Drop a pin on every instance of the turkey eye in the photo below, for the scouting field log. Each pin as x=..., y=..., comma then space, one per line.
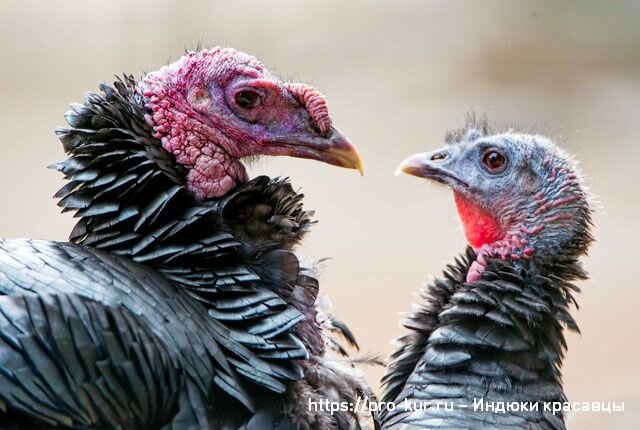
x=494, y=161
x=247, y=99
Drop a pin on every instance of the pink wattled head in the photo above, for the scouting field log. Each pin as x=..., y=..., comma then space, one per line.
x=518, y=195
x=214, y=107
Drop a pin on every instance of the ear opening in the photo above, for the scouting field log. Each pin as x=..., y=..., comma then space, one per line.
x=199, y=99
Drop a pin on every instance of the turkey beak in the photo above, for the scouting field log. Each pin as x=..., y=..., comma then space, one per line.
x=339, y=151
x=432, y=165
x=332, y=148
x=413, y=166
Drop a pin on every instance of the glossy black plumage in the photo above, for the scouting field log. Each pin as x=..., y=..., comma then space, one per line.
x=499, y=339
x=204, y=317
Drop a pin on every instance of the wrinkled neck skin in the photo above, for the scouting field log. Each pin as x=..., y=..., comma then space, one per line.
x=203, y=149
x=554, y=220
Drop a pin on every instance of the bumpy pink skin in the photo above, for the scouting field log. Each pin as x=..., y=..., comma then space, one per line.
x=513, y=246
x=204, y=138
x=212, y=171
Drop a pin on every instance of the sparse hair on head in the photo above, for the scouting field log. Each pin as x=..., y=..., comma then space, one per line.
x=476, y=125
x=200, y=45
x=473, y=121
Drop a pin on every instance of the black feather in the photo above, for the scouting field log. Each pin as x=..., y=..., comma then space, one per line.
x=164, y=312
x=499, y=338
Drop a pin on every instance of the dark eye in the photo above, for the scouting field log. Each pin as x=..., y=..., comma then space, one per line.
x=494, y=161
x=247, y=99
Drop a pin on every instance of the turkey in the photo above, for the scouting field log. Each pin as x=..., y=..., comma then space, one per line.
x=179, y=302
x=491, y=330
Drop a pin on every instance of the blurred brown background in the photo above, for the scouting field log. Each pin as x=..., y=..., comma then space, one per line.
x=397, y=74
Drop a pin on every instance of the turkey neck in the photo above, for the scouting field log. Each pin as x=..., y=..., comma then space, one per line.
x=499, y=338
x=132, y=200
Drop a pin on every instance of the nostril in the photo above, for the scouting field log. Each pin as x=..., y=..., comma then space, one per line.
x=438, y=157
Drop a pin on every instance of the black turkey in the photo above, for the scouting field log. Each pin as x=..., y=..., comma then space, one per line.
x=491, y=331
x=179, y=302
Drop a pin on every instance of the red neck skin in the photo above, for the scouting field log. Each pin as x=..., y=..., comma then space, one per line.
x=480, y=228
x=537, y=224
x=488, y=237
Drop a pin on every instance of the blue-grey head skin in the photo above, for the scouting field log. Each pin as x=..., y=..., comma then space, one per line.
x=517, y=194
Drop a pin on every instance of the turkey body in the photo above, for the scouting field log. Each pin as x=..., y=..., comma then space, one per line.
x=485, y=348
x=90, y=338
x=473, y=346
x=162, y=312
